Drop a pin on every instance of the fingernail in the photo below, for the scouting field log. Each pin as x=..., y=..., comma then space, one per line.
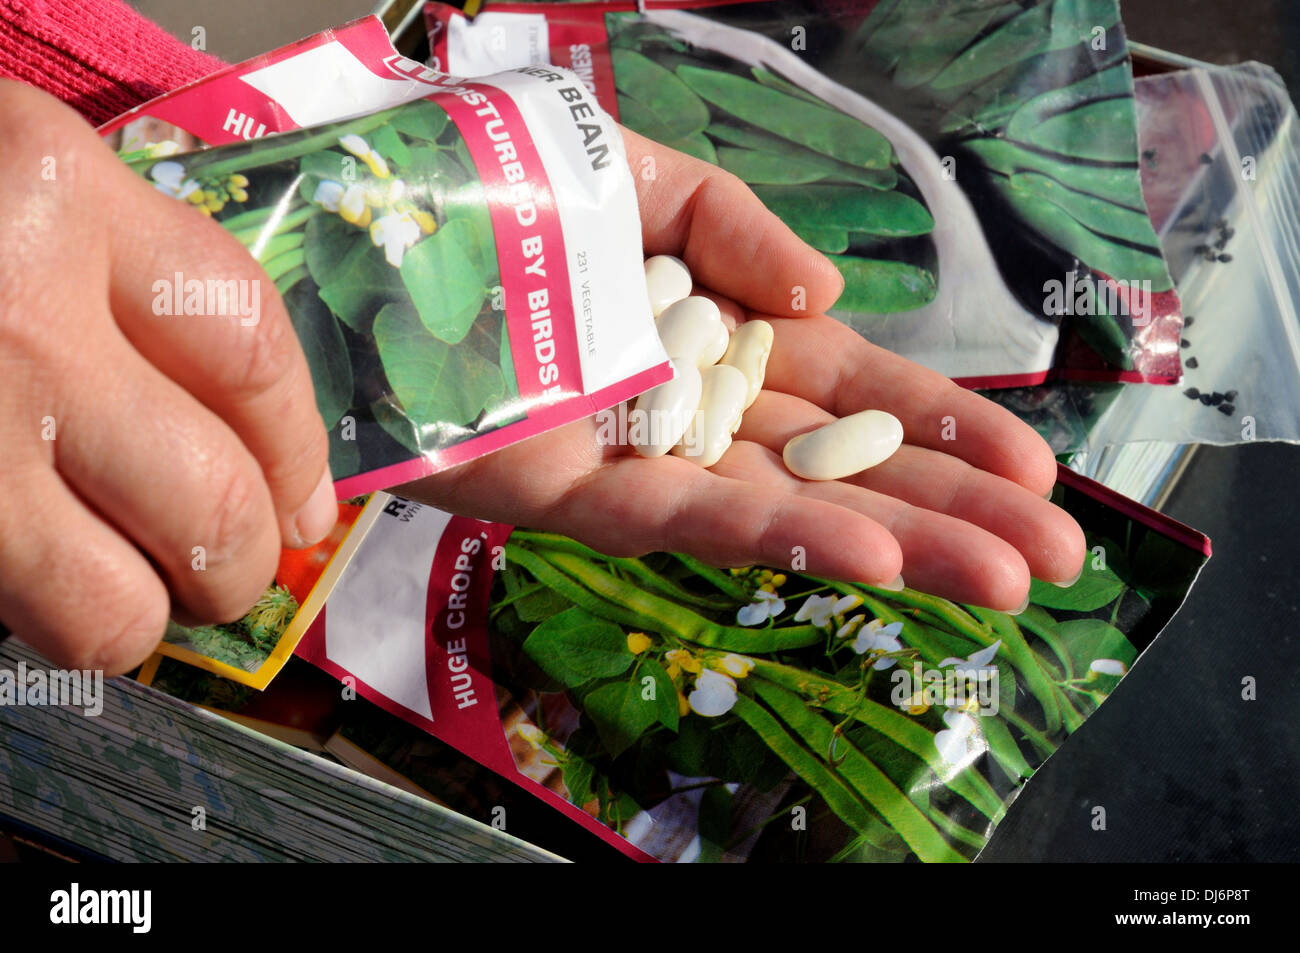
x=319, y=513
x=1077, y=576
x=895, y=586
x=1023, y=606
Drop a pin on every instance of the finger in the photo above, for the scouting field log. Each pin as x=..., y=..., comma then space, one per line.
x=942, y=555
x=240, y=358
x=173, y=478
x=827, y=363
x=667, y=504
x=726, y=236
x=1050, y=541
x=75, y=590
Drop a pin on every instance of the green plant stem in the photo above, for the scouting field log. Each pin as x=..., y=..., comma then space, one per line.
x=720, y=580
x=284, y=263
x=250, y=235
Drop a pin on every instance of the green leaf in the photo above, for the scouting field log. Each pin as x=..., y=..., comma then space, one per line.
x=445, y=284
x=714, y=824
x=667, y=105
x=620, y=714
x=468, y=204
x=435, y=383
x=1090, y=639
x=326, y=352
x=665, y=692
x=395, y=423
x=578, y=773
x=421, y=119
x=345, y=456
x=575, y=646
x=1095, y=588
x=389, y=144
x=361, y=284
x=821, y=129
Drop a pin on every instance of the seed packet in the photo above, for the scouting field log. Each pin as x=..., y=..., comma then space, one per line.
x=683, y=712
x=461, y=260
x=252, y=650
x=971, y=167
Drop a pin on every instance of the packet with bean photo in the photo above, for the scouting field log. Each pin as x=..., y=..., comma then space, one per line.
x=461, y=259
x=686, y=713
x=971, y=167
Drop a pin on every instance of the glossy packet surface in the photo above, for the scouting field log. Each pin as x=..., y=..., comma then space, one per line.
x=461, y=259
x=970, y=166
x=683, y=713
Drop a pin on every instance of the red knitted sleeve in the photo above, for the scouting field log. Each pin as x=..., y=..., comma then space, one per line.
x=98, y=56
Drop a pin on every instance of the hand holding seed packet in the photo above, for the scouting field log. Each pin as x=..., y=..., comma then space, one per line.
x=461, y=264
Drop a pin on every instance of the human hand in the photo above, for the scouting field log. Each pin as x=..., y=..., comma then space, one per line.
x=153, y=465
x=963, y=518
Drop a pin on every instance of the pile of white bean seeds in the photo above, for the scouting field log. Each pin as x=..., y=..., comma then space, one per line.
x=718, y=377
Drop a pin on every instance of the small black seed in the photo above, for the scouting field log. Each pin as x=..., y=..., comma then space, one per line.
x=1230, y=395
x=1184, y=343
x=1187, y=321
x=1192, y=392
x=1216, y=400
x=1201, y=249
x=1210, y=255
x=1191, y=362
x=1207, y=400
x=1228, y=233
x=1225, y=258
x=1221, y=243
x=1227, y=410
x=1205, y=159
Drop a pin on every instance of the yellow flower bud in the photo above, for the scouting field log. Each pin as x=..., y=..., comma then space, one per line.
x=638, y=642
x=683, y=706
x=238, y=194
x=916, y=705
x=779, y=579
x=426, y=221
x=683, y=659
x=197, y=197
x=239, y=181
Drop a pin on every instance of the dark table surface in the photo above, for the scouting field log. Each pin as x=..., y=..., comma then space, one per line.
x=1186, y=769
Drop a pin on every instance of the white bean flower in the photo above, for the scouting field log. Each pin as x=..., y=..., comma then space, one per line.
x=714, y=694
x=395, y=233
x=976, y=662
x=329, y=194
x=817, y=610
x=879, y=639
x=766, y=605
x=954, y=742
x=1108, y=666
x=169, y=177
x=361, y=149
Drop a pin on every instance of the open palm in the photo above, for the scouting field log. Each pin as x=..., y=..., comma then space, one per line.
x=958, y=511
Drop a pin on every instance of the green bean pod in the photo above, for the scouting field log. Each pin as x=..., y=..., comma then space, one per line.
x=758, y=140
x=870, y=783
x=833, y=789
x=1118, y=184
x=908, y=734
x=669, y=618
x=872, y=286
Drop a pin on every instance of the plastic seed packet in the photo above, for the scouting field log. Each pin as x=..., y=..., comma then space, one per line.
x=253, y=649
x=461, y=260
x=686, y=713
x=970, y=167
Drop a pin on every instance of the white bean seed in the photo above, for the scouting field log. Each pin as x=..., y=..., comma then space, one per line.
x=844, y=447
x=691, y=331
x=747, y=352
x=668, y=280
x=722, y=402
x=662, y=414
